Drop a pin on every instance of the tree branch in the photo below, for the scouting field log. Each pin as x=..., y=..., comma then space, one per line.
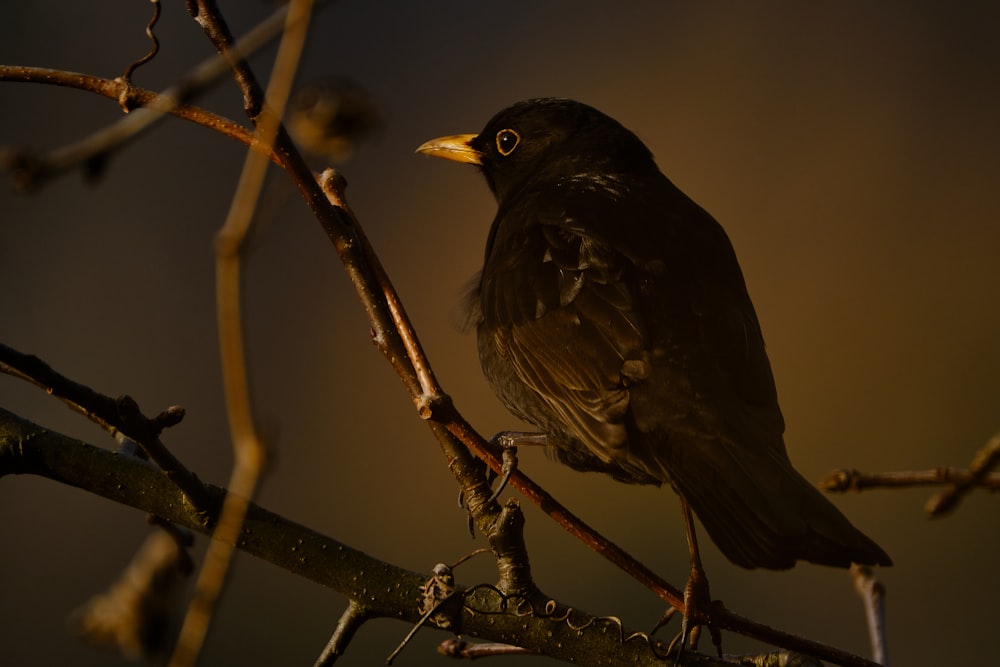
x=961, y=481
x=117, y=416
x=30, y=170
x=380, y=589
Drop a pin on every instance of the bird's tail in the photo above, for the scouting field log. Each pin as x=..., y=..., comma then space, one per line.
x=761, y=512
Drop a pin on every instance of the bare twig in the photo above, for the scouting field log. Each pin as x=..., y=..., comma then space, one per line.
x=985, y=460
x=119, y=416
x=133, y=615
x=962, y=481
x=459, y=648
x=872, y=593
x=31, y=170
x=430, y=392
x=248, y=449
x=777, y=659
x=206, y=14
x=352, y=619
x=855, y=480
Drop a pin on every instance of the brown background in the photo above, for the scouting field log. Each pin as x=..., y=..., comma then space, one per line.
x=850, y=150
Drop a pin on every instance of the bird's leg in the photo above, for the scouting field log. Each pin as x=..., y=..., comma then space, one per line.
x=697, y=598
x=508, y=442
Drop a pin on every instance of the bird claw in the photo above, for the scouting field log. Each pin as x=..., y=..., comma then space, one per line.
x=507, y=442
x=508, y=465
x=697, y=615
x=698, y=610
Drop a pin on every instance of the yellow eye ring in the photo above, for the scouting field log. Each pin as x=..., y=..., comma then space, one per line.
x=507, y=141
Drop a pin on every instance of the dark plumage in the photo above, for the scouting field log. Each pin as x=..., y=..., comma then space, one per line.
x=612, y=314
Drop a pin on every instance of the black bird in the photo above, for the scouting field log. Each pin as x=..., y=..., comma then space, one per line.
x=612, y=314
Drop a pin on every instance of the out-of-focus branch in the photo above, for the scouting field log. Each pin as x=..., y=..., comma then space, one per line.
x=985, y=460
x=247, y=447
x=31, y=170
x=872, y=593
x=962, y=481
x=854, y=480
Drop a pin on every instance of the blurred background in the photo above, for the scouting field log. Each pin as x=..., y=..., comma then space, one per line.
x=849, y=149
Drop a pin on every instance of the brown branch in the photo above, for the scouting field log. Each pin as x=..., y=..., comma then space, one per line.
x=116, y=415
x=840, y=481
x=31, y=170
x=962, y=481
x=459, y=648
x=350, y=621
x=872, y=593
x=382, y=590
x=206, y=14
x=985, y=460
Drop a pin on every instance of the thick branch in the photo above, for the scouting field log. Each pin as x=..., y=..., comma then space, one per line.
x=379, y=588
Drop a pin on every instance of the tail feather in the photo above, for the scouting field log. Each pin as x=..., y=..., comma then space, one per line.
x=761, y=512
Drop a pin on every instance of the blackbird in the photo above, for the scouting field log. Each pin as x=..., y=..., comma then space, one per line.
x=612, y=314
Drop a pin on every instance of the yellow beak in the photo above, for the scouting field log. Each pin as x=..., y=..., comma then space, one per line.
x=456, y=147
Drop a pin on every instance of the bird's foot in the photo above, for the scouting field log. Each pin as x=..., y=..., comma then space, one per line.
x=508, y=442
x=698, y=606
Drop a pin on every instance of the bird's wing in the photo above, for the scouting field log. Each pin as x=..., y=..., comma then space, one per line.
x=560, y=306
x=590, y=299
x=570, y=326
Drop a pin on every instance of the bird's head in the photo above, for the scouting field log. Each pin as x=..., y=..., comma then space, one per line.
x=544, y=138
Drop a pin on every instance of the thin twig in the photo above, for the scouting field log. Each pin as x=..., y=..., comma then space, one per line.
x=430, y=391
x=459, y=648
x=985, y=460
x=31, y=170
x=207, y=15
x=350, y=621
x=854, y=480
x=872, y=593
x=116, y=415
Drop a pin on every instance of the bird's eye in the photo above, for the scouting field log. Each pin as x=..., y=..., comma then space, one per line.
x=507, y=141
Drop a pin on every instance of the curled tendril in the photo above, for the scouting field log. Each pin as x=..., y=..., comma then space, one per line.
x=154, y=49
x=552, y=612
